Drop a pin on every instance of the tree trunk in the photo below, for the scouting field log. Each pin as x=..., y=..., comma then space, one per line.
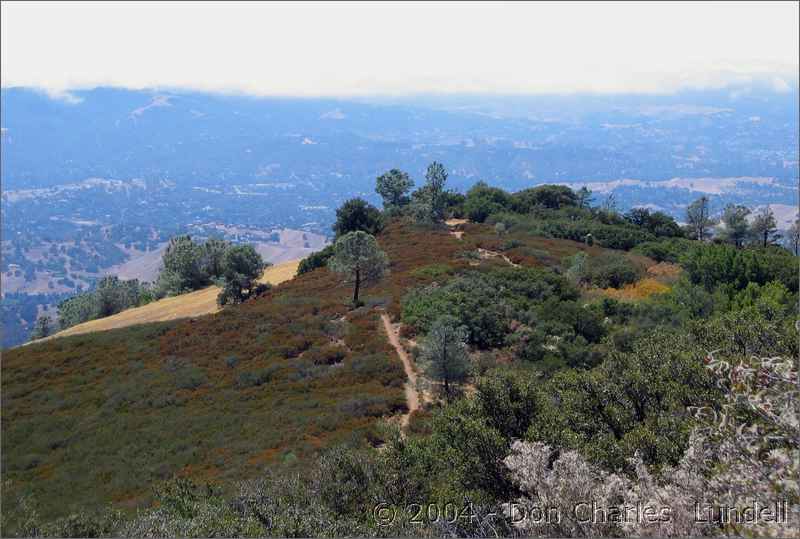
x=358, y=285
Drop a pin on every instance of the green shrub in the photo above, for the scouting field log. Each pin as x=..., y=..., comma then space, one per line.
x=315, y=260
x=256, y=378
x=189, y=377
x=326, y=355
x=710, y=265
x=612, y=270
x=668, y=250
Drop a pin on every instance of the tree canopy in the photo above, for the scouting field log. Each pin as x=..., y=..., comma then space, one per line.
x=241, y=266
x=357, y=214
x=698, y=216
x=735, y=227
x=356, y=255
x=393, y=187
x=444, y=352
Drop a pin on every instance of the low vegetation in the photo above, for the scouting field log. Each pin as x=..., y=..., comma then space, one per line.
x=542, y=382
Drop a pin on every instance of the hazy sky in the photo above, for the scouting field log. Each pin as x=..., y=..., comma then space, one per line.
x=357, y=49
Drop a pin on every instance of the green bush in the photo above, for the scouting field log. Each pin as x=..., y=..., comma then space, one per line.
x=315, y=260
x=486, y=303
x=575, y=224
x=668, y=250
x=633, y=402
x=612, y=270
x=710, y=265
x=482, y=201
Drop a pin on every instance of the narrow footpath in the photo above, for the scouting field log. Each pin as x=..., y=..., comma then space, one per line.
x=412, y=397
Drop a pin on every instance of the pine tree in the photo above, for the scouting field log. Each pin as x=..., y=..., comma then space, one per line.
x=357, y=256
x=764, y=227
x=698, y=217
x=444, y=352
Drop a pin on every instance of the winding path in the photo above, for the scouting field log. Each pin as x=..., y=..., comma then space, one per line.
x=412, y=397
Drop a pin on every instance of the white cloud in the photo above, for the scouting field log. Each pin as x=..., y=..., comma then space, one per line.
x=59, y=94
x=396, y=48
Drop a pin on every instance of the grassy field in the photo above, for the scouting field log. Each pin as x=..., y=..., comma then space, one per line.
x=188, y=305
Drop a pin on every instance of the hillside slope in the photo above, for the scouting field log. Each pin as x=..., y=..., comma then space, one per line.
x=101, y=417
x=189, y=305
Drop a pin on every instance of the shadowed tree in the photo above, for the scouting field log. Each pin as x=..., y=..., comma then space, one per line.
x=357, y=214
x=444, y=352
x=43, y=328
x=241, y=265
x=698, y=217
x=435, y=180
x=764, y=227
x=584, y=197
x=736, y=228
x=393, y=187
x=212, y=252
x=357, y=256
x=183, y=268
x=547, y=196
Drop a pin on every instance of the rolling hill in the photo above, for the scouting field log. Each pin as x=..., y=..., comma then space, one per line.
x=561, y=339
x=99, y=417
x=189, y=305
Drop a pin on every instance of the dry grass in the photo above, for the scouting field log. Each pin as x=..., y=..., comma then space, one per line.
x=190, y=305
x=665, y=271
x=636, y=291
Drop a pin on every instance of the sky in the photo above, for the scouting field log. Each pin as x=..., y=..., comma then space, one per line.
x=357, y=49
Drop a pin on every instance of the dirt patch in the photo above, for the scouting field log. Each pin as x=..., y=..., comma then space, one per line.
x=456, y=227
x=486, y=254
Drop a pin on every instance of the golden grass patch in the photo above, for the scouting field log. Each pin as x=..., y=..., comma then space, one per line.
x=639, y=290
x=197, y=303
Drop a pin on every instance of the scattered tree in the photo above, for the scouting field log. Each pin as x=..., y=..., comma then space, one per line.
x=183, y=268
x=764, y=227
x=584, y=197
x=698, y=217
x=241, y=266
x=431, y=200
x=658, y=223
x=76, y=310
x=357, y=214
x=212, y=252
x=736, y=228
x=444, y=352
x=610, y=203
x=358, y=257
x=482, y=201
x=553, y=197
x=315, y=260
x=43, y=327
x=394, y=187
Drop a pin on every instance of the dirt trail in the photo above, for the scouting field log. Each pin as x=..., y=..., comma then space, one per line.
x=412, y=397
x=485, y=253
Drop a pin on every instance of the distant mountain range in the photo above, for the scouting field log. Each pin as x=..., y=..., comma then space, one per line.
x=92, y=179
